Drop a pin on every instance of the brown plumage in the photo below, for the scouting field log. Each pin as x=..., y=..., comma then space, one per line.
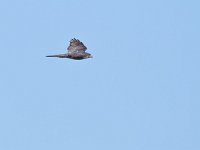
x=76, y=50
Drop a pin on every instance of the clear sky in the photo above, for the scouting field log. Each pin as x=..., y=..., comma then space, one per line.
x=141, y=91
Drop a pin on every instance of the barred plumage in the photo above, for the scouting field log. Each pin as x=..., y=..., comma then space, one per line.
x=76, y=50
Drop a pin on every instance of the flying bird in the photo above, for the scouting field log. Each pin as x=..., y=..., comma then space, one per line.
x=76, y=50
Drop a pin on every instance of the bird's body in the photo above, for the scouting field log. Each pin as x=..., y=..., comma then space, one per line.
x=76, y=50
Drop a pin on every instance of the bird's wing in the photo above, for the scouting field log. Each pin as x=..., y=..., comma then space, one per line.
x=76, y=46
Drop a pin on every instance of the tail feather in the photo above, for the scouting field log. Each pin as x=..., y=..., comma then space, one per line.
x=58, y=55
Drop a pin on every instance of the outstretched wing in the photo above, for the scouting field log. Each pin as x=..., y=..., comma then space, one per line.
x=76, y=46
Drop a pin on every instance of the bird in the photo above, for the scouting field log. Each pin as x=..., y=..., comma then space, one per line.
x=76, y=50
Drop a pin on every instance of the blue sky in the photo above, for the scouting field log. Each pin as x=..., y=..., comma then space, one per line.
x=139, y=92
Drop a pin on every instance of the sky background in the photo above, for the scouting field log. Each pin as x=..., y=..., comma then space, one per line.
x=141, y=90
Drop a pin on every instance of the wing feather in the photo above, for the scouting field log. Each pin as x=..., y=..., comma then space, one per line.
x=76, y=46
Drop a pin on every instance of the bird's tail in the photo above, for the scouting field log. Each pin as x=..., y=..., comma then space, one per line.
x=58, y=55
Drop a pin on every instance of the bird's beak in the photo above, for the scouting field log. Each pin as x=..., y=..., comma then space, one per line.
x=90, y=56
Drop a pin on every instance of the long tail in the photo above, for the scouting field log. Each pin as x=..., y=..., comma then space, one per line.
x=58, y=55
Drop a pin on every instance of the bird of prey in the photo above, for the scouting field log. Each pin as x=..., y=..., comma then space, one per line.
x=76, y=50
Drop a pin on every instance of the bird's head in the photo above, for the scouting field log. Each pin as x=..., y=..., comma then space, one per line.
x=88, y=56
